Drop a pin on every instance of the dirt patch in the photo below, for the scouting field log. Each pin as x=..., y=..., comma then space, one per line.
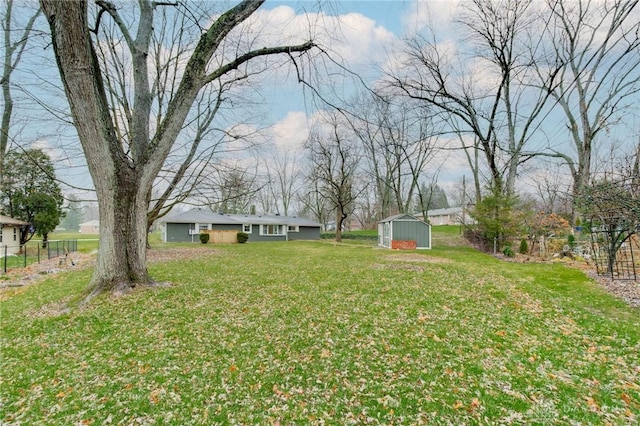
x=168, y=254
x=409, y=262
x=17, y=279
x=627, y=290
x=411, y=257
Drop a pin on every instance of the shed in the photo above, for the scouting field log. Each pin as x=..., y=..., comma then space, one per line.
x=404, y=231
x=10, y=230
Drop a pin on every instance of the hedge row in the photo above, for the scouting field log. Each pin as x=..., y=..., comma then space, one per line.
x=348, y=236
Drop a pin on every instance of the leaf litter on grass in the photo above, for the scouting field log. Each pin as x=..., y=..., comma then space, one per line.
x=310, y=333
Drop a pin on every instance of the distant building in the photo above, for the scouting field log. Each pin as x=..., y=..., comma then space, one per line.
x=91, y=227
x=10, y=235
x=448, y=216
x=187, y=226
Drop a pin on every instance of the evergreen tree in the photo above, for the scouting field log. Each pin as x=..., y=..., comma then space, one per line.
x=434, y=197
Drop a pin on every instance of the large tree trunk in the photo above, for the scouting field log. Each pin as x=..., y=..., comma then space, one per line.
x=122, y=260
x=121, y=188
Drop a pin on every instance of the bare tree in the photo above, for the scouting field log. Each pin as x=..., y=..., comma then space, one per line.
x=229, y=188
x=334, y=159
x=314, y=203
x=492, y=97
x=282, y=180
x=13, y=47
x=398, y=140
x=125, y=164
x=552, y=189
x=599, y=45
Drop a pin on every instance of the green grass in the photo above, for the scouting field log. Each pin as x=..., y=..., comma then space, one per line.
x=324, y=333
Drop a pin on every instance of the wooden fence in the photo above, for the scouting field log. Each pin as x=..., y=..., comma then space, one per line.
x=222, y=237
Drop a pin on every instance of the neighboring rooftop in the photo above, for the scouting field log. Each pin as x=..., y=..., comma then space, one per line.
x=199, y=215
x=6, y=220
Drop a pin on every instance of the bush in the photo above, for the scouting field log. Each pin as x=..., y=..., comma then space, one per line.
x=242, y=237
x=571, y=241
x=508, y=251
x=524, y=247
x=495, y=220
x=358, y=235
x=204, y=238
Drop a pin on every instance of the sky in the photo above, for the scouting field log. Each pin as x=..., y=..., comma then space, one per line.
x=362, y=35
x=364, y=32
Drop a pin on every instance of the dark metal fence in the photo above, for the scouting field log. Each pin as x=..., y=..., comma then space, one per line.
x=31, y=253
x=612, y=258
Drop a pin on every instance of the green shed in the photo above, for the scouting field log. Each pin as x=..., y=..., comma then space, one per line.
x=404, y=231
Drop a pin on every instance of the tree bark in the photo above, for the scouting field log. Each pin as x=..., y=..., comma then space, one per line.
x=123, y=170
x=121, y=261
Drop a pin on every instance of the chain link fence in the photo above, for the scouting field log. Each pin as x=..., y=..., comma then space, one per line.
x=31, y=253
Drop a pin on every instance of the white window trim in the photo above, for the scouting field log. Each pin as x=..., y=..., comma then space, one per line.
x=247, y=228
x=263, y=229
x=293, y=228
x=196, y=230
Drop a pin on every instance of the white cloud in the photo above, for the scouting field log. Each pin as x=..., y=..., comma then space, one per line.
x=54, y=153
x=290, y=133
x=352, y=37
x=431, y=14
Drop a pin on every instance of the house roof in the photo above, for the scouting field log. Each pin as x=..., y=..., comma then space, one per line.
x=90, y=223
x=447, y=211
x=400, y=216
x=207, y=216
x=6, y=220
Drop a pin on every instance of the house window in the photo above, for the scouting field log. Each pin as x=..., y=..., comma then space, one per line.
x=15, y=234
x=246, y=228
x=197, y=228
x=0, y=233
x=271, y=229
x=293, y=228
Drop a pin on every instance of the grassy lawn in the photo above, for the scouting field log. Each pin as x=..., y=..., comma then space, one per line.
x=324, y=333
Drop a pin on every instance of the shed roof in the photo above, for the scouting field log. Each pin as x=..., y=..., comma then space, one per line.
x=207, y=216
x=401, y=216
x=6, y=220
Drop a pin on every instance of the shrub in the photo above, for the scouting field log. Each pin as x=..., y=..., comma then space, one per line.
x=524, y=247
x=358, y=235
x=571, y=241
x=204, y=238
x=508, y=251
x=242, y=237
x=495, y=219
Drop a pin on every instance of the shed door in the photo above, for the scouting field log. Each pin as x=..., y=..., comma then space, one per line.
x=387, y=234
